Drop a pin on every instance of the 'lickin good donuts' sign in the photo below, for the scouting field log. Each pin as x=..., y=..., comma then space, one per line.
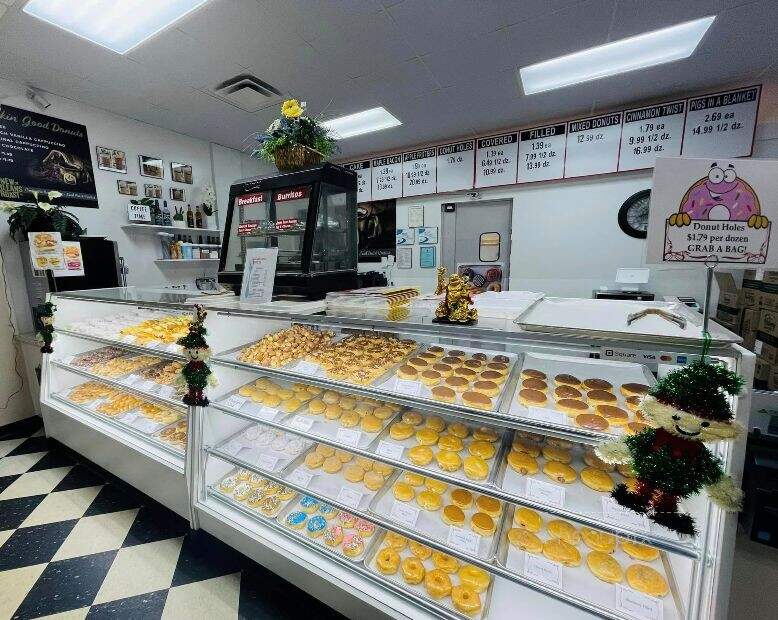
x=722, y=211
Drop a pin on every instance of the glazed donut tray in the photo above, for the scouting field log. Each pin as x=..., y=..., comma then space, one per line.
x=420, y=590
x=580, y=583
x=265, y=447
x=224, y=496
x=234, y=401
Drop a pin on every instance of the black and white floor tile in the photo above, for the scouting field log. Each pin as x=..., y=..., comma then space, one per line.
x=76, y=542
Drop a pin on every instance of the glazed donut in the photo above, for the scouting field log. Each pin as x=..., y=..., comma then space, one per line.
x=474, y=577
x=438, y=584
x=413, y=570
x=465, y=599
x=444, y=562
x=388, y=561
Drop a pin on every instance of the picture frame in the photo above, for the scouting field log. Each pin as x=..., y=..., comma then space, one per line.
x=427, y=257
x=178, y=194
x=127, y=188
x=150, y=190
x=181, y=173
x=151, y=166
x=111, y=160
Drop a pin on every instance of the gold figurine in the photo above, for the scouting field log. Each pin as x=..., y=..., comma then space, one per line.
x=455, y=307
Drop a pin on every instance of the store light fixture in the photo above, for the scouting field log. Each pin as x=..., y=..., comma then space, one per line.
x=638, y=52
x=119, y=26
x=367, y=121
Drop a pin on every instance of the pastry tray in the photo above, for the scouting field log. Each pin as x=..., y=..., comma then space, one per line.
x=385, y=442
x=233, y=401
x=330, y=485
x=580, y=583
x=617, y=373
x=607, y=318
x=419, y=390
x=265, y=458
x=77, y=361
x=214, y=489
x=430, y=523
x=419, y=590
x=370, y=542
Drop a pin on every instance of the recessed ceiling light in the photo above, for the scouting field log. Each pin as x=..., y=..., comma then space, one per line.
x=638, y=52
x=367, y=121
x=119, y=26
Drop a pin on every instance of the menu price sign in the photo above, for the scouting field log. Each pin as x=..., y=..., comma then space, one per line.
x=455, y=166
x=542, y=153
x=364, y=179
x=721, y=124
x=387, y=177
x=419, y=172
x=593, y=145
x=495, y=160
x=651, y=132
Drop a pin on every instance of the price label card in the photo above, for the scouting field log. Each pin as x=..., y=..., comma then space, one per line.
x=387, y=177
x=301, y=423
x=267, y=462
x=128, y=339
x=233, y=447
x=455, y=166
x=619, y=515
x=548, y=415
x=721, y=124
x=593, y=145
x=463, y=540
x=545, y=492
x=651, y=132
x=389, y=449
x=145, y=425
x=419, y=172
x=236, y=401
x=542, y=153
x=638, y=604
x=68, y=360
x=495, y=160
x=348, y=436
x=166, y=391
x=307, y=368
x=540, y=569
x=153, y=344
x=267, y=413
x=405, y=513
x=129, y=418
x=130, y=379
x=301, y=477
x=350, y=497
x=411, y=388
x=147, y=386
x=173, y=347
x=364, y=179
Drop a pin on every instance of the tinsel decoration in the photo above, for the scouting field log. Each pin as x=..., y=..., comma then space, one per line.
x=196, y=373
x=44, y=321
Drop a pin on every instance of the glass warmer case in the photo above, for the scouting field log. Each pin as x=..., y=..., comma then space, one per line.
x=309, y=215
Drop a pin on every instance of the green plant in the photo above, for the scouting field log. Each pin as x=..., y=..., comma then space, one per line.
x=39, y=215
x=178, y=214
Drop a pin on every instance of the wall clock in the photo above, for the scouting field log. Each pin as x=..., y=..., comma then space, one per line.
x=633, y=215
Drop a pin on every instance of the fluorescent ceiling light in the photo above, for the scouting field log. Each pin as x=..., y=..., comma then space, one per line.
x=367, y=121
x=118, y=25
x=638, y=52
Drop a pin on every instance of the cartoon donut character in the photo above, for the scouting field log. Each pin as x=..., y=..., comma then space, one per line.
x=720, y=196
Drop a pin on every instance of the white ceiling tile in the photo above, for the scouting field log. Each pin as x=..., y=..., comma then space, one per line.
x=411, y=78
x=469, y=59
x=315, y=20
x=524, y=10
x=633, y=17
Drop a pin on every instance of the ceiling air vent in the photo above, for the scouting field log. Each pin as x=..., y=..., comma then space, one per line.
x=247, y=92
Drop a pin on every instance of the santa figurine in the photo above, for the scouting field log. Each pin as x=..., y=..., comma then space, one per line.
x=197, y=374
x=688, y=407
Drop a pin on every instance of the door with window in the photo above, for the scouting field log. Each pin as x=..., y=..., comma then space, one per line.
x=476, y=241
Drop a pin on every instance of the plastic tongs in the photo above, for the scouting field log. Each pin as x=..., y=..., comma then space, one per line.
x=668, y=316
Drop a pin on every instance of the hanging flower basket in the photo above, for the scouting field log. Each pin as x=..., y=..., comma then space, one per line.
x=296, y=157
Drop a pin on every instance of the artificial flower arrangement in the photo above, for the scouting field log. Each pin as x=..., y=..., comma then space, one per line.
x=209, y=200
x=295, y=140
x=39, y=215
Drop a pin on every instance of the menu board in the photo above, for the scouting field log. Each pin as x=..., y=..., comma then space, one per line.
x=651, y=132
x=387, y=177
x=364, y=179
x=419, y=172
x=455, y=166
x=722, y=124
x=495, y=160
x=593, y=145
x=542, y=153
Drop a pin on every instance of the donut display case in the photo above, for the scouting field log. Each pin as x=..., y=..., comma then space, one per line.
x=318, y=460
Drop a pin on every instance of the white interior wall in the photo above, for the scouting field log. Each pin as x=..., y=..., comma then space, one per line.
x=230, y=165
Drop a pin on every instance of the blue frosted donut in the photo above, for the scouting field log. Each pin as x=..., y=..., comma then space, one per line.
x=309, y=504
x=296, y=519
x=327, y=511
x=316, y=524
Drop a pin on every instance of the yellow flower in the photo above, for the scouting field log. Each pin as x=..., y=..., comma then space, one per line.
x=291, y=108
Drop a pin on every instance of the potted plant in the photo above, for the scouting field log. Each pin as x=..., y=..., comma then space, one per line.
x=39, y=215
x=178, y=217
x=294, y=141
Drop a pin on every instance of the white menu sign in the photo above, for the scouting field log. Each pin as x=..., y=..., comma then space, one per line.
x=593, y=145
x=419, y=172
x=495, y=160
x=722, y=124
x=364, y=179
x=651, y=132
x=542, y=153
x=387, y=177
x=455, y=166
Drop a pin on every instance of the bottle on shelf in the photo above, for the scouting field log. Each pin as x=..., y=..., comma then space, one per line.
x=198, y=217
x=156, y=214
x=166, y=221
x=190, y=223
x=200, y=239
x=174, y=246
x=196, y=252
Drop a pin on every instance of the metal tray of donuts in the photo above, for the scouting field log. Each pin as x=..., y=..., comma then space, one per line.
x=266, y=447
x=581, y=583
x=420, y=589
x=582, y=368
x=338, y=520
x=410, y=514
x=242, y=400
x=227, y=496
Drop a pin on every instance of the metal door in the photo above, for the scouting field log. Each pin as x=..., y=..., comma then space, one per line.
x=476, y=240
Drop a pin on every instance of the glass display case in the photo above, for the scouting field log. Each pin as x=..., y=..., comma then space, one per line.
x=310, y=216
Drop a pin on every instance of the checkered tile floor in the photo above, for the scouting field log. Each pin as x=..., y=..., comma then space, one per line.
x=75, y=542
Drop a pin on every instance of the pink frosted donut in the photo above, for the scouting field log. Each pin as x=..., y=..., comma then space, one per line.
x=365, y=528
x=729, y=197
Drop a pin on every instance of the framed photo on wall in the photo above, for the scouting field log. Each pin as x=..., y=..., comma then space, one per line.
x=127, y=188
x=152, y=191
x=178, y=194
x=181, y=173
x=151, y=166
x=112, y=160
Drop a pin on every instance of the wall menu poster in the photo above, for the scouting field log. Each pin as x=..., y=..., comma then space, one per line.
x=651, y=132
x=593, y=145
x=495, y=160
x=542, y=153
x=455, y=166
x=722, y=124
x=387, y=177
x=718, y=210
x=376, y=224
x=43, y=153
x=364, y=179
x=419, y=172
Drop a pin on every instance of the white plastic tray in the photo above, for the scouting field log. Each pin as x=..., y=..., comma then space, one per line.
x=265, y=457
